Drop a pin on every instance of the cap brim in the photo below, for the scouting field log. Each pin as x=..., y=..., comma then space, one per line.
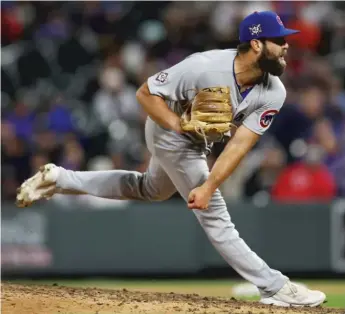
x=287, y=32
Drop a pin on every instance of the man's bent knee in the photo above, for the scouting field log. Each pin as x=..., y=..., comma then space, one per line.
x=154, y=192
x=159, y=198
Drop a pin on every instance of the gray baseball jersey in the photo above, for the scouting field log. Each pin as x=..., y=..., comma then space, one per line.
x=215, y=68
x=179, y=164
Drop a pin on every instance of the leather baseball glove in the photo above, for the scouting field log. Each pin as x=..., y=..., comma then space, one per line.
x=210, y=112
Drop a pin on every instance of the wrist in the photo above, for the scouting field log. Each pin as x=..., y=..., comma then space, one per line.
x=175, y=124
x=209, y=186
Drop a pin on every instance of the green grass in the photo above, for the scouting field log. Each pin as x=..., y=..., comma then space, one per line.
x=334, y=289
x=336, y=300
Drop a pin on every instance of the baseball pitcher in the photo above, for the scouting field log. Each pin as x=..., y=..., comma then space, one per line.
x=191, y=105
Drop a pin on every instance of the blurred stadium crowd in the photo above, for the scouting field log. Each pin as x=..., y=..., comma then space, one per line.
x=70, y=70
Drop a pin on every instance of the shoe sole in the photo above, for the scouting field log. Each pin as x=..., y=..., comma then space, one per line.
x=22, y=193
x=284, y=304
x=22, y=199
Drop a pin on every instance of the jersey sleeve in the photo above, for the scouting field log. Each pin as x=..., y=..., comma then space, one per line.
x=181, y=81
x=261, y=119
x=176, y=82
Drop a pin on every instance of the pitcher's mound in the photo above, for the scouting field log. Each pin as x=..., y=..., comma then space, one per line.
x=41, y=299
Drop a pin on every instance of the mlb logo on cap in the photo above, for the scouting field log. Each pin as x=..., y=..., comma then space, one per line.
x=266, y=24
x=279, y=20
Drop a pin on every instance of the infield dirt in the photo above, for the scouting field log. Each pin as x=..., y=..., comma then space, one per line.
x=53, y=299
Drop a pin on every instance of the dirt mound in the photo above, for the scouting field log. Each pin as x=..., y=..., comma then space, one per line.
x=41, y=299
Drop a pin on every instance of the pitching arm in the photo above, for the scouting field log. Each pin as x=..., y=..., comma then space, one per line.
x=247, y=135
x=242, y=142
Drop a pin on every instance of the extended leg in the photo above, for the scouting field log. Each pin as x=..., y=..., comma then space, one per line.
x=188, y=171
x=153, y=185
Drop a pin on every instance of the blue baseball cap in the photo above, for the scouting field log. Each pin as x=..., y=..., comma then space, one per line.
x=265, y=24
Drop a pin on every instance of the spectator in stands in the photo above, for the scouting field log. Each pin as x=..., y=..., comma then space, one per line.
x=56, y=27
x=116, y=98
x=296, y=120
x=15, y=161
x=262, y=180
x=11, y=26
x=136, y=40
x=38, y=160
x=310, y=36
x=323, y=134
x=22, y=119
x=329, y=133
x=46, y=142
x=336, y=165
x=337, y=95
x=308, y=180
x=332, y=136
x=59, y=118
x=72, y=156
x=116, y=106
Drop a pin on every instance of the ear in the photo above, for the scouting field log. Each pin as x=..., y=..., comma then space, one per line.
x=256, y=45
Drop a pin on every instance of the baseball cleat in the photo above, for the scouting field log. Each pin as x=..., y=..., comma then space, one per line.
x=295, y=295
x=40, y=186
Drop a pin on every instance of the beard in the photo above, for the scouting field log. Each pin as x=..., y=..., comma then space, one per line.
x=270, y=64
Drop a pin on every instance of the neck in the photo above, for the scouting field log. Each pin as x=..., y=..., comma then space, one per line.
x=247, y=71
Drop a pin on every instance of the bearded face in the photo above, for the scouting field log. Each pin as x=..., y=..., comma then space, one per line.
x=271, y=59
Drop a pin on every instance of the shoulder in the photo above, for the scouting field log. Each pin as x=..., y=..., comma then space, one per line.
x=216, y=59
x=209, y=68
x=213, y=54
x=275, y=86
x=275, y=90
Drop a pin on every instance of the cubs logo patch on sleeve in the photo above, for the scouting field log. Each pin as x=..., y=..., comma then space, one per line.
x=267, y=117
x=162, y=77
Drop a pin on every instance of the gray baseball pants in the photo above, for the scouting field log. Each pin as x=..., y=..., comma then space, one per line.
x=178, y=164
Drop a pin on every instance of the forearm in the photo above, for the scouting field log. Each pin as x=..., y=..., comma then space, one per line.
x=229, y=159
x=225, y=165
x=157, y=109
